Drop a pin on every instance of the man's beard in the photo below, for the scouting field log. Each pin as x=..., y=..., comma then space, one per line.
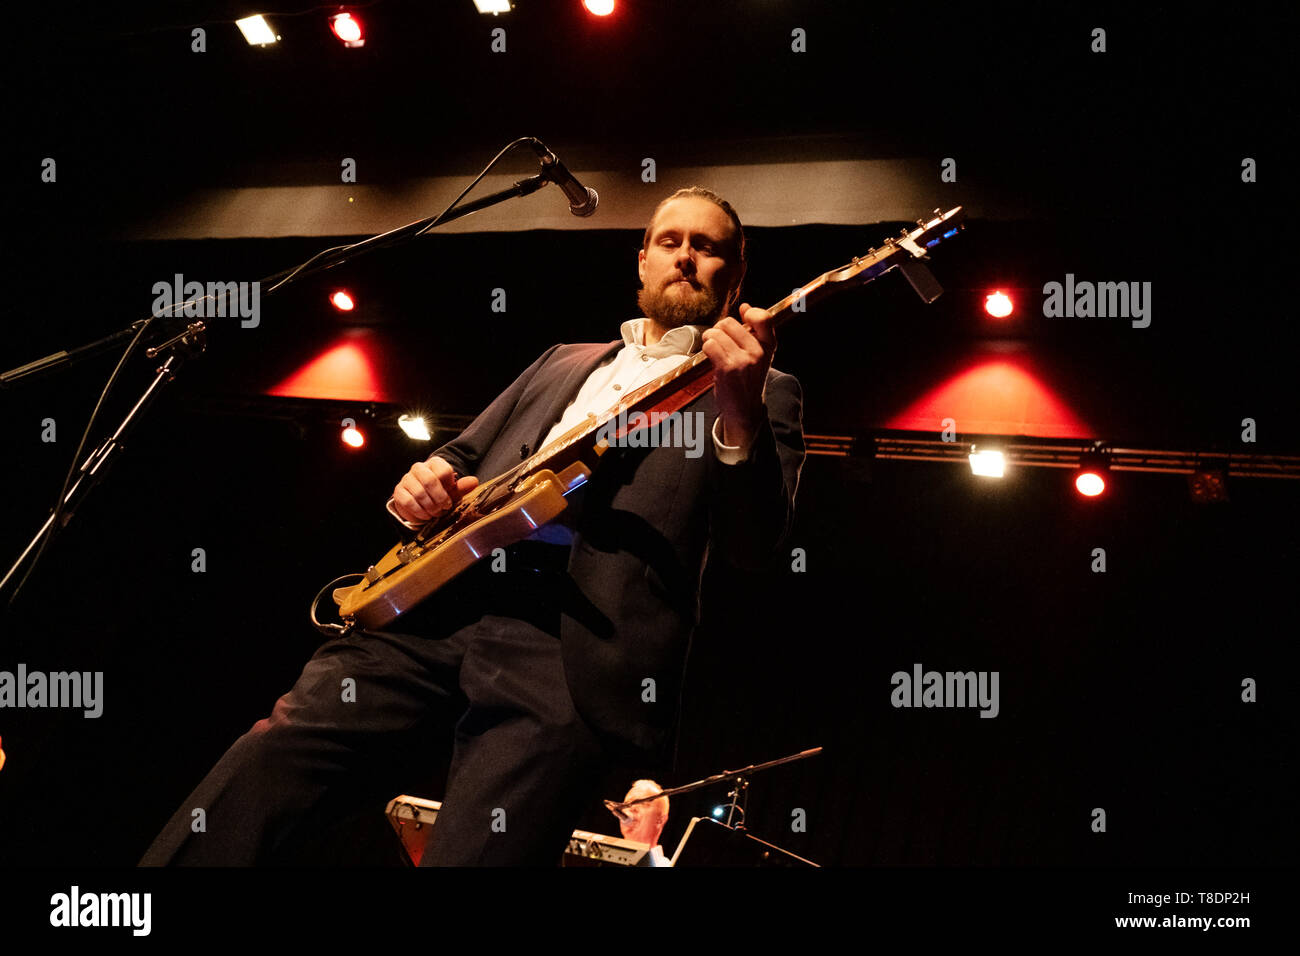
x=671, y=311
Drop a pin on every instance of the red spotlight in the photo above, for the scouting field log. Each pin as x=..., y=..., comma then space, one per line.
x=995, y=395
x=998, y=304
x=1090, y=479
x=351, y=370
x=342, y=301
x=599, y=8
x=348, y=29
x=1089, y=483
x=352, y=436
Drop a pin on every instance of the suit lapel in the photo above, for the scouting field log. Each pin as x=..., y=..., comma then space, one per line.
x=564, y=377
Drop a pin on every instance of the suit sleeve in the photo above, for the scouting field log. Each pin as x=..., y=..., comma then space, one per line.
x=752, y=502
x=466, y=450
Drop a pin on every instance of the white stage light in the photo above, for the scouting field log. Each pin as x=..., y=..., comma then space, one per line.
x=415, y=427
x=256, y=30
x=987, y=463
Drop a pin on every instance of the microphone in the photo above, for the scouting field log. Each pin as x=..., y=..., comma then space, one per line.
x=582, y=199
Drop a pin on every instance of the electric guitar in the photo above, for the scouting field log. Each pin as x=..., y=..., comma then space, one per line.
x=508, y=508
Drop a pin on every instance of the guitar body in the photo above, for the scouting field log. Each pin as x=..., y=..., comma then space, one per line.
x=409, y=573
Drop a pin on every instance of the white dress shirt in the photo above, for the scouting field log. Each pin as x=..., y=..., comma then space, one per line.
x=632, y=366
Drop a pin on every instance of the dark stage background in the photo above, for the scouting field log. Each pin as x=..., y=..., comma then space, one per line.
x=1119, y=690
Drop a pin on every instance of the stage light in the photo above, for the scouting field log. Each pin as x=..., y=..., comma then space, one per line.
x=1089, y=483
x=719, y=811
x=1090, y=479
x=415, y=427
x=998, y=304
x=600, y=8
x=348, y=29
x=492, y=6
x=995, y=393
x=349, y=370
x=987, y=462
x=1206, y=485
x=256, y=30
x=352, y=437
x=342, y=301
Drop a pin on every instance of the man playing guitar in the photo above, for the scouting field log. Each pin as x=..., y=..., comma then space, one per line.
x=572, y=659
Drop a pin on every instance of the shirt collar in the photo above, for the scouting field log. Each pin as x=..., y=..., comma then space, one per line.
x=683, y=340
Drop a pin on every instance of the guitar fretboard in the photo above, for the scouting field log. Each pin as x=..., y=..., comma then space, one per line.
x=694, y=377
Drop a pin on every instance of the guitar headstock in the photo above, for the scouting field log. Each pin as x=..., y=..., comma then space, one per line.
x=916, y=242
x=894, y=252
x=929, y=233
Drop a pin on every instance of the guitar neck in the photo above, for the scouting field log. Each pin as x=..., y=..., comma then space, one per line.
x=693, y=378
x=665, y=394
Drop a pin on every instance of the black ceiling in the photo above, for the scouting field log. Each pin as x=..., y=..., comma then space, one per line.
x=1157, y=125
x=694, y=82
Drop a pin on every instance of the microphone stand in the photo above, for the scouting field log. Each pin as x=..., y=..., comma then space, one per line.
x=736, y=775
x=393, y=237
x=328, y=260
x=191, y=342
x=739, y=794
x=57, y=359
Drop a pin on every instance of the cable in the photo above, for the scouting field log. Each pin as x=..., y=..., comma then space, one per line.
x=378, y=240
x=81, y=445
x=323, y=252
x=342, y=630
x=486, y=169
x=76, y=459
x=130, y=349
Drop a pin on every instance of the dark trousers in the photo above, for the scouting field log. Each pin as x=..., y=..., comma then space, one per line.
x=524, y=767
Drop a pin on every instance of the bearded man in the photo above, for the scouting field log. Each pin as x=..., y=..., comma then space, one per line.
x=570, y=662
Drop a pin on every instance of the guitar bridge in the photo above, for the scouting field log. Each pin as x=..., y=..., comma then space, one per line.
x=408, y=553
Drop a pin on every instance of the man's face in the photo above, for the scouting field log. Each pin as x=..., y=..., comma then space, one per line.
x=645, y=824
x=690, y=266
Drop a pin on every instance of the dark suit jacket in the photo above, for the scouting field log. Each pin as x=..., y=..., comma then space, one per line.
x=649, y=518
